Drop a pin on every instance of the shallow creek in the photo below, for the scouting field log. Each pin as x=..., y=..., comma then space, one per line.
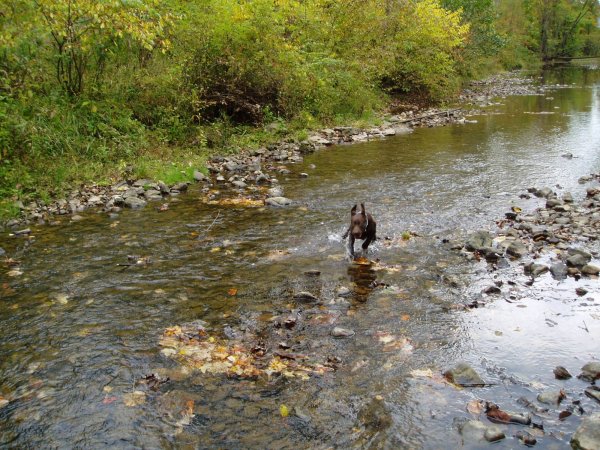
x=78, y=330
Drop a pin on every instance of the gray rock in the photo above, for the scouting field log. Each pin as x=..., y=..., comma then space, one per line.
x=590, y=372
x=581, y=291
x=152, y=194
x=162, y=186
x=275, y=192
x=567, y=197
x=117, y=200
x=464, y=375
x=552, y=202
x=551, y=397
x=239, y=184
x=516, y=249
x=493, y=434
x=590, y=269
x=479, y=240
x=339, y=332
x=544, y=192
x=305, y=296
x=535, y=269
x=143, y=182
x=199, y=176
x=593, y=392
x=2, y=252
x=473, y=432
x=343, y=291
x=76, y=218
x=278, y=201
x=181, y=187
x=134, y=203
x=559, y=271
x=388, y=132
x=303, y=175
x=587, y=436
x=95, y=200
x=560, y=373
x=578, y=258
x=220, y=178
x=133, y=192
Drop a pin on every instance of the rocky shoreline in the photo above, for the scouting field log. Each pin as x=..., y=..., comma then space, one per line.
x=553, y=238
x=253, y=173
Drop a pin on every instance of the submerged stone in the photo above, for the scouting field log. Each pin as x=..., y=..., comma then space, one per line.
x=479, y=240
x=464, y=375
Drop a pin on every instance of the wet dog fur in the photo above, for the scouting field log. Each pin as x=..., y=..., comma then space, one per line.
x=362, y=226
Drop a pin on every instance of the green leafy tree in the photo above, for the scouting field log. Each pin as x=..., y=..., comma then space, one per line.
x=86, y=30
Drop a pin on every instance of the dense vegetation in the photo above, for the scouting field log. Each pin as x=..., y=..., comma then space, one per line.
x=89, y=88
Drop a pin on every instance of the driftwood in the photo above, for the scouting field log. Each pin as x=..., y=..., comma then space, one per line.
x=425, y=116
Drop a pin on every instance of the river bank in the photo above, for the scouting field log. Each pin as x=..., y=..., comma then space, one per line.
x=253, y=173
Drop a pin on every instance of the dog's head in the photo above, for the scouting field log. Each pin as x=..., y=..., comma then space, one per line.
x=358, y=221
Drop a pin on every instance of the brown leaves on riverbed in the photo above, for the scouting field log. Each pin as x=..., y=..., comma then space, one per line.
x=192, y=347
x=234, y=201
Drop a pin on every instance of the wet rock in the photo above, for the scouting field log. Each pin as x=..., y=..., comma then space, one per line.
x=535, y=270
x=516, y=249
x=552, y=202
x=275, y=192
x=95, y=200
x=464, y=375
x=493, y=434
x=590, y=372
x=567, y=197
x=343, y=291
x=587, y=436
x=305, y=296
x=543, y=193
x=199, y=176
x=23, y=232
x=581, y=291
x=473, y=431
x=278, y=201
x=134, y=202
x=76, y=218
x=593, y=392
x=526, y=438
x=558, y=271
x=578, y=258
x=239, y=184
x=492, y=290
x=180, y=187
x=560, y=373
x=479, y=240
x=551, y=397
x=339, y=332
x=152, y=195
x=590, y=269
x=375, y=416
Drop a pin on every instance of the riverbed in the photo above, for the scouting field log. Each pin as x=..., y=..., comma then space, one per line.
x=83, y=316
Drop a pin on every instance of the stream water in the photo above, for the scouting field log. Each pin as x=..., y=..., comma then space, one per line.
x=78, y=330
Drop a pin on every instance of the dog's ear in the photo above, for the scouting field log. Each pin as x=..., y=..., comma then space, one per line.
x=353, y=210
x=362, y=209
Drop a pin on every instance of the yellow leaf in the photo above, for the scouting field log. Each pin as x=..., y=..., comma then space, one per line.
x=283, y=410
x=232, y=291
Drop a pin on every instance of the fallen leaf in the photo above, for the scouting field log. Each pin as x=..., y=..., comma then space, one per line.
x=134, y=398
x=283, y=410
x=405, y=317
x=109, y=400
x=232, y=291
x=475, y=407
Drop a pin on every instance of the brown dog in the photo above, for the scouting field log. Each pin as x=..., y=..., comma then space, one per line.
x=362, y=226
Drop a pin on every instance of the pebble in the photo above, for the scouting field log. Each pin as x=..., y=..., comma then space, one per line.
x=339, y=332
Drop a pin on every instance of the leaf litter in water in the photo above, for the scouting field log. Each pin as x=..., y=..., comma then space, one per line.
x=192, y=347
x=235, y=201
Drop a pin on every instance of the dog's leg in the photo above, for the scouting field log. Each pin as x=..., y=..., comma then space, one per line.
x=350, y=247
x=365, y=244
x=345, y=235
